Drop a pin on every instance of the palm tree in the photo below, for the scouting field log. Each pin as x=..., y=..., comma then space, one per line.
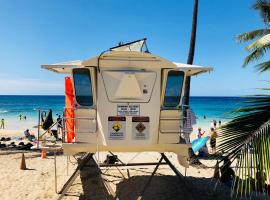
x=191, y=50
x=246, y=139
x=258, y=47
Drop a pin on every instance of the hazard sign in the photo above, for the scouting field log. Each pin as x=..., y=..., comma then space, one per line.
x=140, y=128
x=116, y=128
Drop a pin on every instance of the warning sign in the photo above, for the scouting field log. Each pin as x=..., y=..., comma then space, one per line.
x=140, y=128
x=116, y=128
x=128, y=110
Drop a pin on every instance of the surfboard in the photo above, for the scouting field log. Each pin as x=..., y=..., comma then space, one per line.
x=199, y=143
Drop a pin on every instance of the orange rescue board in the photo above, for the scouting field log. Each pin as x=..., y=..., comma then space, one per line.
x=69, y=109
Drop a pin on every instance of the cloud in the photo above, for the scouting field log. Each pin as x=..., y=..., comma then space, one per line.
x=30, y=86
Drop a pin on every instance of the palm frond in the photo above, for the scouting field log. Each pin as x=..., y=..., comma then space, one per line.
x=263, y=88
x=262, y=67
x=258, y=48
x=263, y=6
x=252, y=35
x=260, y=43
x=255, y=55
x=246, y=139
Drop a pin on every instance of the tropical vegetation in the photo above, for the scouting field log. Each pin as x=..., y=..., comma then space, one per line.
x=245, y=140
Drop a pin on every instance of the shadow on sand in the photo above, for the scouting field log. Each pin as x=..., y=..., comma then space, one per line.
x=162, y=187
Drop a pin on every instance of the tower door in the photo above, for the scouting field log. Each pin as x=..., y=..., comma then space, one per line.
x=84, y=80
x=171, y=115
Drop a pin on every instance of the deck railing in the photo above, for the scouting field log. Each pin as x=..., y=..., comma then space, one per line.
x=62, y=123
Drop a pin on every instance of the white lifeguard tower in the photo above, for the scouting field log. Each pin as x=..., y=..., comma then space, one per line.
x=126, y=100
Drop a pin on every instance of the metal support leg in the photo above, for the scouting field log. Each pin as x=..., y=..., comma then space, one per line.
x=55, y=172
x=179, y=175
x=67, y=165
x=38, y=128
x=74, y=175
x=150, y=179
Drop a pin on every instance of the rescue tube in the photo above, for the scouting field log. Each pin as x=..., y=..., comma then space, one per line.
x=69, y=109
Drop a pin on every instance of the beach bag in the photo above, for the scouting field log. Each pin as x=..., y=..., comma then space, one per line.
x=48, y=121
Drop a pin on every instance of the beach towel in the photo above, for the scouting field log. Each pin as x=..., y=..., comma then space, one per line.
x=48, y=121
x=189, y=121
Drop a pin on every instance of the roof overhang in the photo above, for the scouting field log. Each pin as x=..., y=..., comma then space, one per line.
x=63, y=67
x=192, y=70
x=125, y=59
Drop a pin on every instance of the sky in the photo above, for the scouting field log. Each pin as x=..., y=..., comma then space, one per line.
x=44, y=32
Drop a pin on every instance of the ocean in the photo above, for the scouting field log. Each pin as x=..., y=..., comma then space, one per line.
x=11, y=106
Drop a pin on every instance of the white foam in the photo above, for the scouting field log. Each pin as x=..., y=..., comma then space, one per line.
x=3, y=111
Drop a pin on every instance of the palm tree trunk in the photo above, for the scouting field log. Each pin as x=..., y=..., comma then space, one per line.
x=191, y=50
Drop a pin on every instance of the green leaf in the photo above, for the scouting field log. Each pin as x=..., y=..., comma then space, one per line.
x=262, y=67
x=260, y=43
x=246, y=139
x=263, y=6
x=252, y=35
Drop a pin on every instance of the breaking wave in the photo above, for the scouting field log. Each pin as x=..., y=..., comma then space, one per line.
x=3, y=111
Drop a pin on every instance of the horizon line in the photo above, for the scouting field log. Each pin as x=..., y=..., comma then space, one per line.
x=64, y=95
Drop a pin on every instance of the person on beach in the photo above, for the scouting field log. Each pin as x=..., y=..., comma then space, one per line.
x=24, y=117
x=213, y=140
x=28, y=135
x=2, y=126
x=219, y=123
x=20, y=116
x=227, y=173
x=200, y=134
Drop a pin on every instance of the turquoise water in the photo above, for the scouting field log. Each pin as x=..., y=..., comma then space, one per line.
x=12, y=106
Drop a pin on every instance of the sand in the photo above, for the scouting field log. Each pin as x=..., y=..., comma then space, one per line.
x=37, y=182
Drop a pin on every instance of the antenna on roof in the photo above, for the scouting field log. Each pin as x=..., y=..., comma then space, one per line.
x=137, y=45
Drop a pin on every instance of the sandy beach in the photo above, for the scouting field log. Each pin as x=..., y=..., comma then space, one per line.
x=37, y=182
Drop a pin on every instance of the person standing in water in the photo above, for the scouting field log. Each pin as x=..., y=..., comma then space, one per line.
x=2, y=125
x=20, y=116
x=215, y=124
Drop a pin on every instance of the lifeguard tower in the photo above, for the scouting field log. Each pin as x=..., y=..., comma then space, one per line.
x=126, y=100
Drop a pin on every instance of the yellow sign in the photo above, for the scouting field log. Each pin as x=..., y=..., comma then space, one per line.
x=117, y=126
